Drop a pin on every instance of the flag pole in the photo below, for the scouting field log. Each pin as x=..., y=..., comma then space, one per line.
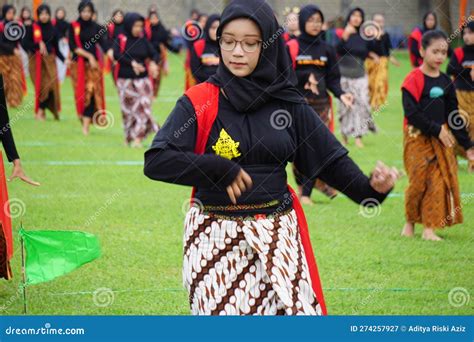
x=23, y=271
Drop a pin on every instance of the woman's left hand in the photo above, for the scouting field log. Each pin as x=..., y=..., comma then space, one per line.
x=19, y=173
x=384, y=178
x=347, y=99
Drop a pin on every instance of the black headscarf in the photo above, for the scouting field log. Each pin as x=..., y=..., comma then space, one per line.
x=211, y=20
x=273, y=77
x=307, y=12
x=5, y=10
x=129, y=20
x=355, y=9
x=424, y=28
x=43, y=7
x=86, y=3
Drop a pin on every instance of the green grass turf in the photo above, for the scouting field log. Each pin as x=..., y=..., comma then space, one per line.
x=365, y=266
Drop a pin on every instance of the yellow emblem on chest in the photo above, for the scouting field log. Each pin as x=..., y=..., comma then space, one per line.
x=226, y=147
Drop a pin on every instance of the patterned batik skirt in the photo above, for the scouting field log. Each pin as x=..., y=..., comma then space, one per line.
x=49, y=87
x=356, y=121
x=466, y=110
x=11, y=67
x=432, y=197
x=378, y=81
x=246, y=266
x=93, y=86
x=135, y=101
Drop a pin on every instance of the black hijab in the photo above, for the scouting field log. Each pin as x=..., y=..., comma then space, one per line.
x=5, y=10
x=305, y=13
x=355, y=9
x=86, y=3
x=43, y=8
x=211, y=20
x=424, y=28
x=273, y=77
x=129, y=20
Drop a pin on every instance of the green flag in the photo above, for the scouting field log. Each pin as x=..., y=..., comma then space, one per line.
x=50, y=254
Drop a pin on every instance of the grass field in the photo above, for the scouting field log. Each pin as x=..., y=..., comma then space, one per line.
x=97, y=185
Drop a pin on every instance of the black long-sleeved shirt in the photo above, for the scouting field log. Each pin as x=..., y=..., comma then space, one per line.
x=382, y=46
x=205, y=65
x=352, y=54
x=253, y=141
x=136, y=49
x=8, y=45
x=438, y=106
x=91, y=35
x=62, y=26
x=50, y=39
x=5, y=129
x=160, y=35
x=461, y=70
x=319, y=58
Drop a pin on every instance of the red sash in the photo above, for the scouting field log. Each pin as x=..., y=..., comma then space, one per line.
x=5, y=217
x=459, y=53
x=37, y=38
x=415, y=38
x=414, y=84
x=80, y=92
x=203, y=94
x=122, y=43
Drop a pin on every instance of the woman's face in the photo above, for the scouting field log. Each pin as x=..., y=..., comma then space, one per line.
x=202, y=21
x=213, y=30
x=86, y=13
x=314, y=25
x=154, y=20
x=118, y=18
x=137, y=29
x=356, y=19
x=240, y=62
x=26, y=14
x=468, y=36
x=430, y=22
x=44, y=17
x=10, y=15
x=292, y=22
x=60, y=14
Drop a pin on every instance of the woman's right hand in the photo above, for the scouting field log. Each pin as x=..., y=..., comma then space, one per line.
x=93, y=62
x=241, y=183
x=446, y=137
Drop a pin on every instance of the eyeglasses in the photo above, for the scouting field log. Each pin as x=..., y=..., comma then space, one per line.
x=247, y=44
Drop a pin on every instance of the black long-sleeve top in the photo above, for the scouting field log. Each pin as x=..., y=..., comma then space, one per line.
x=437, y=106
x=318, y=57
x=5, y=128
x=382, y=46
x=7, y=45
x=50, y=39
x=160, y=35
x=250, y=141
x=205, y=66
x=92, y=34
x=352, y=54
x=62, y=26
x=136, y=49
x=461, y=70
